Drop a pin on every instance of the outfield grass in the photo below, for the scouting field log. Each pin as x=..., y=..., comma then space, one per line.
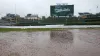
x=38, y=29
x=30, y=29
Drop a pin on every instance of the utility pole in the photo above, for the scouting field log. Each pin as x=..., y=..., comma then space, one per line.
x=15, y=14
x=97, y=9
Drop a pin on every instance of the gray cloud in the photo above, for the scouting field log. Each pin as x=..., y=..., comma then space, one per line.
x=42, y=7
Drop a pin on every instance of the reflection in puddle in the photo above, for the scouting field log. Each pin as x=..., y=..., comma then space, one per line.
x=61, y=36
x=14, y=54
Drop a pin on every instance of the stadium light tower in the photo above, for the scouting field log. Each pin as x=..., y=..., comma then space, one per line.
x=15, y=14
x=58, y=3
x=65, y=3
x=97, y=8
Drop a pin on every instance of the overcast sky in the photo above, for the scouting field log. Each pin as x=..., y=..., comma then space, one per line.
x=42, y=7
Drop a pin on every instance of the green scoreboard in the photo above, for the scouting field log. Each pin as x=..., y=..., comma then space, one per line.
x=62, y=10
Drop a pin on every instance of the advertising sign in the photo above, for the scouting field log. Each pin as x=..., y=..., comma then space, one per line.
x=61, y=10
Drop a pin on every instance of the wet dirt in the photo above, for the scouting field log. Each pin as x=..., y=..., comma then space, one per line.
x=50, y=43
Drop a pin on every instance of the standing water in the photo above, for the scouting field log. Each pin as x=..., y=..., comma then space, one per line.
x=50, y=43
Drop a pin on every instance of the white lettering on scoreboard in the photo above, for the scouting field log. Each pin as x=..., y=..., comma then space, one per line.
x=62, y=10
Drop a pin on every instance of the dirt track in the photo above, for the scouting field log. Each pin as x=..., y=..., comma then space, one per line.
x=50, y=43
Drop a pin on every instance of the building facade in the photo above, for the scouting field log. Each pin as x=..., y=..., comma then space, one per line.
x=32, y=17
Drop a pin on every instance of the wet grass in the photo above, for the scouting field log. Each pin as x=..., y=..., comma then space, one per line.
x=29, y=29
x=39, y=29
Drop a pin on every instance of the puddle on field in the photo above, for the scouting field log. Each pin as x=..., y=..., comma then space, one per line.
x=50, y=43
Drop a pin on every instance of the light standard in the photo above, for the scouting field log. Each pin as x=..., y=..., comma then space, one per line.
x=15, y=14
x=97, y=8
